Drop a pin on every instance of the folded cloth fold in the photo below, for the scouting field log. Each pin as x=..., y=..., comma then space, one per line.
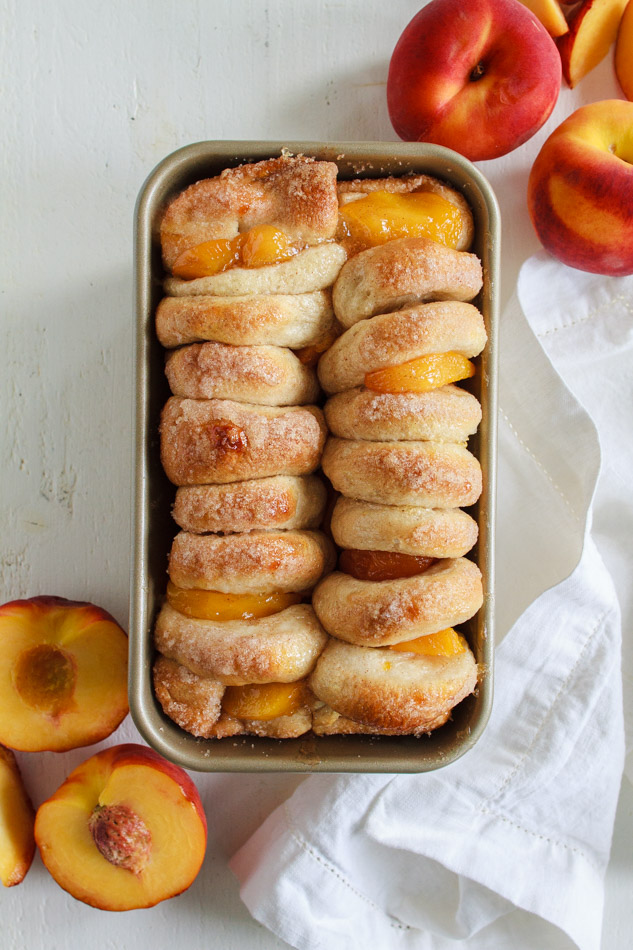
x=509, y=844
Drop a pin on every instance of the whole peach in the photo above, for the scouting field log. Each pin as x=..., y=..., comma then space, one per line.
x=479, y=77
x=580, y=190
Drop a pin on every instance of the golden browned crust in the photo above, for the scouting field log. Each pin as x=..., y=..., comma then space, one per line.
x=408, y=184
x=263, y=375
x=281, y=648
x=405, y=529
x=293, y=320
x=250, y=563
x=426, y=474
x=191, y=701
x=313, y=269
x=281, y=501
x=378, y=613
x=394, y=338
x=220, y=440
x=327, y=722
x=296, y=194
x=401, y=693
x=400, y=273
x=447, y=414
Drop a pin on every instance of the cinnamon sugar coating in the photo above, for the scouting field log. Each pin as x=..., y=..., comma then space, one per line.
x=281, y=648
x=378, y=613
x=250, y=563
x=394, y=338
x=293, y=193
x=404, y=529
x=425, y=474
x=447, y=414
x=388, y=692
x=220, y=440
x=190, y=700
x=280, y=501
x=262, y=375
x=403, y=272
x=292, y=320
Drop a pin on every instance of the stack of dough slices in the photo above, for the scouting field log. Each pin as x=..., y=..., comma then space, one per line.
x=395, y=663
x=242, y=439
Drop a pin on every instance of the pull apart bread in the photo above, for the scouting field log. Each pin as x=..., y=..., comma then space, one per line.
x=397, y=456
x=252, y=257
x=275, y=267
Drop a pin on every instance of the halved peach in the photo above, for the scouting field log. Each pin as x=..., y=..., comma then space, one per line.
x=63, y=674
x=17, y=844
x=125, y=830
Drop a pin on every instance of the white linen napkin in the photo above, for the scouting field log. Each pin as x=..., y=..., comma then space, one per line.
x=508, y=846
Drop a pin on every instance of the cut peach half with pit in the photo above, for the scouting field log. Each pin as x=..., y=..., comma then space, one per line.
x=63, y=674
x=17, y=844
x=422, y=374
x=214, y=605
x=125, y=830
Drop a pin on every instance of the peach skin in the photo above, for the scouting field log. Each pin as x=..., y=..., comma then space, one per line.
x=580, y=189
x=479, y=77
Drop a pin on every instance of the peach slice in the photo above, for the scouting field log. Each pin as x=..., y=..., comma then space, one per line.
x=263, y=702
x=444, y=643
x=383, y=216
x=63, y=674
x=17, y=844
x=382, y=565
x=261, y=245
x=422, y=374
x=125, y=830
x=214, y=605
x=207, y=259
x=593, y=27
x=265, y=244
x=550, y=14
x=624, y=53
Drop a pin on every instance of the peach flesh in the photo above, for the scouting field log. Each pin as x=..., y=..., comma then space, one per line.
x=156, y=795
x=17, y=845
x=63, y=674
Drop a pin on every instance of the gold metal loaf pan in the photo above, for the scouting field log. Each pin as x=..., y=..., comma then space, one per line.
x=154, y=528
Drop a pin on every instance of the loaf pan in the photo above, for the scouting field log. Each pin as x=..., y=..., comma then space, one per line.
x=153, y=493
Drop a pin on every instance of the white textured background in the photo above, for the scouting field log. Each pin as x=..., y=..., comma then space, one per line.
x=93, y=95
